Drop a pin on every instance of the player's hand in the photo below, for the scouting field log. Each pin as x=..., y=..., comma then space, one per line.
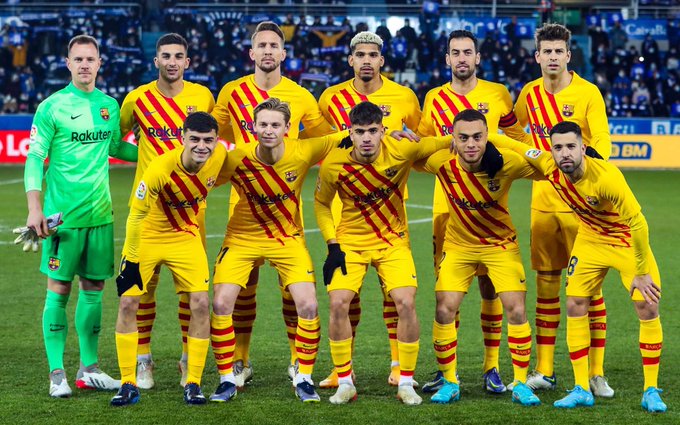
x=335, y=259
x=128, y=277
x=346, y=143
x=405, y=134
x=650, y=291
x=37, y=222
x=591, y=152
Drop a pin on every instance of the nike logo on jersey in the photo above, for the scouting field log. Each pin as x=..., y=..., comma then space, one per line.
x=77, y=116
x=536, y=108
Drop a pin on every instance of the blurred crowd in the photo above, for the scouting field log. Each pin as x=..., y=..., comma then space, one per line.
x=635, y=81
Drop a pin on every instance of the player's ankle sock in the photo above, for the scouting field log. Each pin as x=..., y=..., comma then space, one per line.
x=245, y=310
x=146, y=315
x=519, y=342
x=222, y=339
x=408, y=357
x=445, y=340
x=547, y=321
x=126, y=347
x=290, y=318
x=391, y=319
x=55, y=328
x=197, y=350
x=307, y=343
x=578, y=341
x=492, y=325
x=597, y=315
x=89, y=324
x=341, y=353
x=651, y=340
x=184, y=316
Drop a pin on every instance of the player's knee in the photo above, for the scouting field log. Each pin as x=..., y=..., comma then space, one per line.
x=200, y=305
x=646, y=311
x=222, y=306
x=405, y=306
x=307, y=309
x=339, y=307
x=444, y=314
x=128, y=306
x=516, y=313
x=577, y=306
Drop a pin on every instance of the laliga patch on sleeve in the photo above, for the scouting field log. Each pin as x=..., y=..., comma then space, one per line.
x=34, y=132
x=141, y=190
x=533, y=153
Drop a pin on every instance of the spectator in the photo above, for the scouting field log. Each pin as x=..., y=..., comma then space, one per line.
x=578, y=60
x=650, y=50
x=618, y=36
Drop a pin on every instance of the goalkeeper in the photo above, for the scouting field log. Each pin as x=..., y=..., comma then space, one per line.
x=77, y=128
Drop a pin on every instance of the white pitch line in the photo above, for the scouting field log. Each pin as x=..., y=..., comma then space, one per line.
x=13, y=181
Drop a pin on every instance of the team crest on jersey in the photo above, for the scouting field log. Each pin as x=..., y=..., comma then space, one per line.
x=191, y=109
x=291, y=176
x=494, y=185
x=592, y=201
x=387, y=110
x=483, y=107
x=391, y=172
x=567, y=110
x=104, y=112
x=53, y=264
x=533, y=153
x=210, y=182
x=140, y=193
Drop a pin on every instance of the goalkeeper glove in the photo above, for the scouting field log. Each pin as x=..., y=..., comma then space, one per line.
x=30, y=239
x=128, y=277
x=335, y=259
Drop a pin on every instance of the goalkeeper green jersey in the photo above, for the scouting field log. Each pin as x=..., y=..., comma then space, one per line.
x=76, y=130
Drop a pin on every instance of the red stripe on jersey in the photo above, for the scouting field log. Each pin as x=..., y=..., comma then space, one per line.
x=243, y=182
x=362, y=97
x=444, y=116
x=387, y=182
x=553, y=103
x=242, y=107
x=539, y=142
x=285, y=188
x=168, y=212
x=446, y=181
x=471, y=198
x=507, y=120
x=437, y=125
x=338, y=123
x=341, y=109
x=150, y=138
x=486, y=196
x=348, y=98
x=245, y=134
x=248, y=94
x=149, y=117
x=449, y=102
x=372, y=189
x=542, y=107
x=175, y=107
x=199, y=185
x=175, y=200
x=164, y=115
x=464, y=101
x=351, y=191
x=185, y=190
x=268, y=191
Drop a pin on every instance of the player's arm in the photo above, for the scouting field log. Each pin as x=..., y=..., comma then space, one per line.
x=413, y=115
x=118, y=148
x=323, y=107
x=227, y=170
x=509, y=122
x=221, y=112
x=145, y=196
x=520, y=109
x=313, y=121
x=600, y=140
x=319, y=147
x=323, y=197
x=43, y=130
x=426, y=126
x=542, y=161
x=430, y=145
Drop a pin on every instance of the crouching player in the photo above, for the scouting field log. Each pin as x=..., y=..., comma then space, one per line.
x=162, y=228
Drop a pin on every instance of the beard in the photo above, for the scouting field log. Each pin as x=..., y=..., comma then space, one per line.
x=464, y=76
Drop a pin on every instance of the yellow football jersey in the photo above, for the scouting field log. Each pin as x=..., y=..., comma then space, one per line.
x=238, y=99
x=580, y=102
x=478, y=205
x=270, y=195
x=399, y=104
x=160, y=119
x=372, y=195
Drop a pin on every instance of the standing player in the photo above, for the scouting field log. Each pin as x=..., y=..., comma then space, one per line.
x=400, y=108
x=560, y=95
x=163, y=228
x=234, y=112
x=370, y=180
x=159, y=109
x=442, y=104
x=77, y=128
x=267, y=225
x=613, y=233
x=476, y=180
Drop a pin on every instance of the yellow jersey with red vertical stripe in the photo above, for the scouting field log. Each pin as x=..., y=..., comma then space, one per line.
x=372, y=195
x=270, y=195
x=237, y=101
x=172, y=196
x=580, y=102
x=399, y=104
x=160, y=119
x=478, y=205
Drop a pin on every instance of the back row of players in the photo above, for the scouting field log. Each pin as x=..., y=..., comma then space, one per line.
x=368, y=171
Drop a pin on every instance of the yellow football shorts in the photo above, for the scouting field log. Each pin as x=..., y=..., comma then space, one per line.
x=552, y=239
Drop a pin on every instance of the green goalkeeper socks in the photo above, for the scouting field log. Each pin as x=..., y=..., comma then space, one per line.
x=55, y=328
x=88, y=325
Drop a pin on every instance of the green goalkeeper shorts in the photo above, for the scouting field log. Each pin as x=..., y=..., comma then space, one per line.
x=86, y=252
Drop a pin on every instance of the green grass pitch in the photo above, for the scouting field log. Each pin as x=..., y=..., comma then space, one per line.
x=270, y=399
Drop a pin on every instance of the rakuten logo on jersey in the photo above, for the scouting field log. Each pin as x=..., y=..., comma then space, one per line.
x=14, y=146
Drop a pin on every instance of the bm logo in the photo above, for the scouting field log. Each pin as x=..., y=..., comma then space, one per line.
x=631, y=150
